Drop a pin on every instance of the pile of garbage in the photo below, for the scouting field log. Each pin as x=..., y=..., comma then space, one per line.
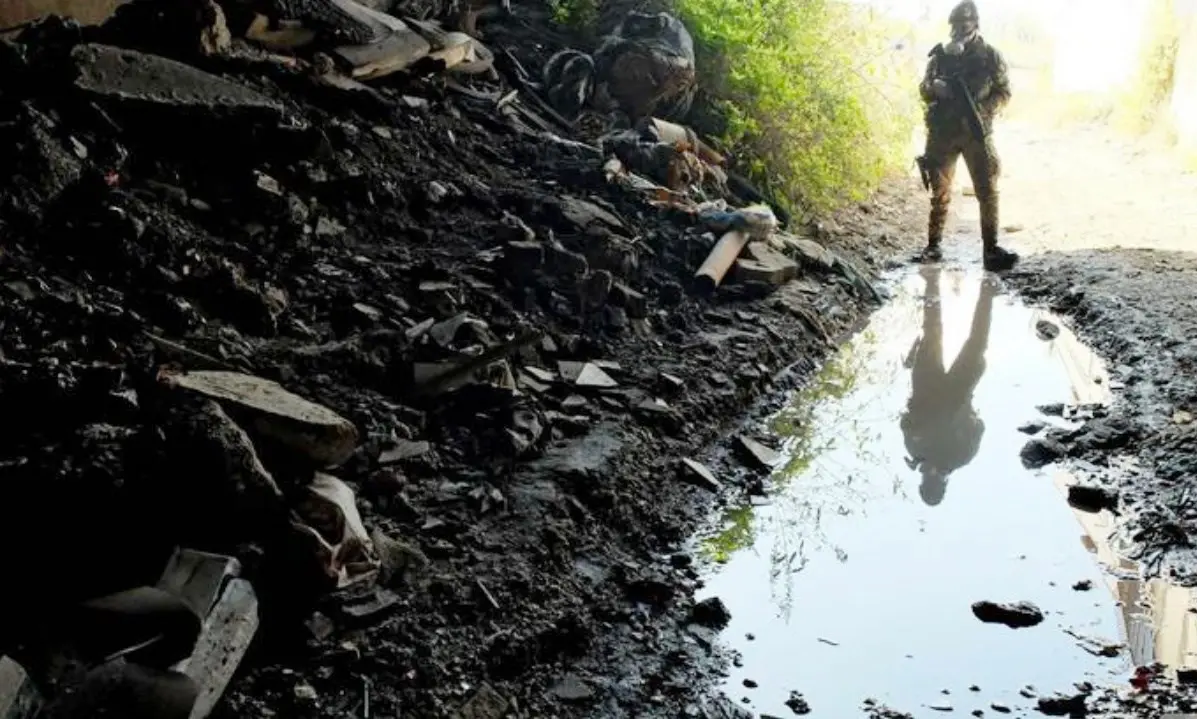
x=294, y=291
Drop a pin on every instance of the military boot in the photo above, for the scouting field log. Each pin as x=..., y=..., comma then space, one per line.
x=995, y=257
x=933, y=252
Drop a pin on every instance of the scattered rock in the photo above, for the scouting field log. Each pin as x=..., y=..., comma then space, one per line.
x=756, y=455
x=797, y=704
x=1047, y=331
x=697, y=474
x=1016, y=616
x=711, y=612
x=1042, y=451
x=1070, y=705
x=1092, y=499
x=1083, y=586
x=1033, y=427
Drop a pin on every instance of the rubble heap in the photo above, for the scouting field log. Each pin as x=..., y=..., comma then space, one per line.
x=351, y=333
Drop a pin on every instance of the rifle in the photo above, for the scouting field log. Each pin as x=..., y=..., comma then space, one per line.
x=924, y=171
x=960, y=90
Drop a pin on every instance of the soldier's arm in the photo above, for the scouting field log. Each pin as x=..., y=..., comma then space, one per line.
x=928, y=77
x=997, y=94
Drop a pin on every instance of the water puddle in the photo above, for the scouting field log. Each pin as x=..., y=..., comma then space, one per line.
x=902, y=501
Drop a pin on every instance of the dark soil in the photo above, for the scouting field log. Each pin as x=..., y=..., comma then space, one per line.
x=1138, y=457
x=308, y=235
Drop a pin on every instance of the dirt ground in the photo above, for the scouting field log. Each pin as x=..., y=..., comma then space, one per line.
x=1085, y=187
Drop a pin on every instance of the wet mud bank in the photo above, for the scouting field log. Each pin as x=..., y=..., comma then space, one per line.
x=1136, y=308
x=903, y=555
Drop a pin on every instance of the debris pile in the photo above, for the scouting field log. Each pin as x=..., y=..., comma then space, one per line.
x=327, y=305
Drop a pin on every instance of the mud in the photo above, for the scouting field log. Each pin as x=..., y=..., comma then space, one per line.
x=1136, y=309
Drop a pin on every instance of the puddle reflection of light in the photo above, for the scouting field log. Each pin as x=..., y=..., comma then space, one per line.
x=1157, y=616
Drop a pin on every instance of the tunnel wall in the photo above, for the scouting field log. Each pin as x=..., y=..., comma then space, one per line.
x=1183, y=106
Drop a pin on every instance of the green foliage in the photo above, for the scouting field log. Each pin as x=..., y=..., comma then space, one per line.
x=578, y=15
x=1139, y=109
x=816, y=106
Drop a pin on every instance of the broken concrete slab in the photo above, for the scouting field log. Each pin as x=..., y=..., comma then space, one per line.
x=268, y=410
x=756, y=455
x=210, y=583
x=763, y=264
x=697, y=474
x=117, y=74
x=633, y=302
x=19, y=698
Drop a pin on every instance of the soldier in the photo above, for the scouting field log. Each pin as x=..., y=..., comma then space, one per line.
x=968, y=73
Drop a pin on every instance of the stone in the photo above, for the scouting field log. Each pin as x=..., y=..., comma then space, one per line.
x=1040, y=452
x=1018, y=615
x=19, y=698
x=711, y=612
x=1047, y=331
x=1033, y=427
x=798, y=704
x=633, y=302
x=400, y=562
x=117, y=74
x=572, y=688
x=583, y=214
x=697, y=474
x=1092, y=499
x=320, y=626
x=811, y=253
x=485, y=703
x=756, y=455
x=1061, y=705
x=1083, y=586
x=268, y=410
x=524, y=257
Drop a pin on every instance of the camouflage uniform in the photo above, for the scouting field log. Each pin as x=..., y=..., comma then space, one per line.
x=983, y=70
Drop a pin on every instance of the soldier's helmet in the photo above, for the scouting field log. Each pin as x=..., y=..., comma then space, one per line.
x=964, y=12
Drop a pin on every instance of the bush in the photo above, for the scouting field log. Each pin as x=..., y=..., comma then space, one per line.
x=1139, y=107
x=816, y=106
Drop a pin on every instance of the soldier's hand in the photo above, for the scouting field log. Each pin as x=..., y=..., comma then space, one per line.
x=941, y=89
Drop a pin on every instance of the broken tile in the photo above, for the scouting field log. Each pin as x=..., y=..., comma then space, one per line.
x=592, y=376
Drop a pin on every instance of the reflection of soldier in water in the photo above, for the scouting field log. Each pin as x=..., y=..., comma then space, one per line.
x=941, y=427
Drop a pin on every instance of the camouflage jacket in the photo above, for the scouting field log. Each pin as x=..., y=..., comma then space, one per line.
x=983, y=70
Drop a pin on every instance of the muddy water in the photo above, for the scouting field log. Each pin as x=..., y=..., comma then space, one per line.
x=902, y=501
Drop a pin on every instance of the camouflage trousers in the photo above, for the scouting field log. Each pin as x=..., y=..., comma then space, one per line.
x=944, y=148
